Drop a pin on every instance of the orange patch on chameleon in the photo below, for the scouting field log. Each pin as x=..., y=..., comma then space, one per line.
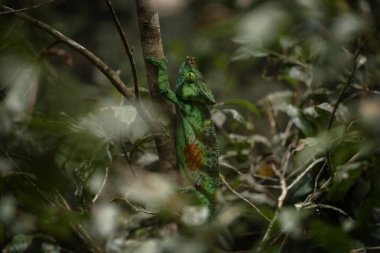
x=194, y=156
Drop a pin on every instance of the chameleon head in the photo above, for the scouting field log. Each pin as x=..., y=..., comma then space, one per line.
x=190, y=84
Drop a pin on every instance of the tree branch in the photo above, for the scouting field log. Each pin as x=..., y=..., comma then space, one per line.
x=144, y=113
x=280, y=202
x=151, y=44
x=26, y=8
x=347, y=84
x=107, y=71
x=300, y=176
x=243, y=198
x=78, y=228
x=127, y=47
x=365, y=249
x=101, y=186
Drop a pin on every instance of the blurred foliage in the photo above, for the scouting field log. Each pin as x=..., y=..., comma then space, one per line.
x=298, y=124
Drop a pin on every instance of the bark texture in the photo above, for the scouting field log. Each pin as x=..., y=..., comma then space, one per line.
x=151, y=44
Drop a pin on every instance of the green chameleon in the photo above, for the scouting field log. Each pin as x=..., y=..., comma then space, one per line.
x=197, y=149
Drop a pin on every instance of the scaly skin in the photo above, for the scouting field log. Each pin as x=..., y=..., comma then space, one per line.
x=197, y=149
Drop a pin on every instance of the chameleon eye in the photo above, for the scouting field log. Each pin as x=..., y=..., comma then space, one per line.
x=190, y=77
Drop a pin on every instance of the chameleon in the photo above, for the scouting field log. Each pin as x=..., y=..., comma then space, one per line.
x=196, y=145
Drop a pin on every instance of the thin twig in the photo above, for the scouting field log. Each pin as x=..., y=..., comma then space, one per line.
x=26, y=8
x=316, y=181
x=266, y=178
x=358, y=155
x=305, y=172
x=273, y=186
x=284, y=189
x=61, y=203
x=347, y=84
x=336, y=105
x=285, y=162
x=138, y=209
x=280, y=202
x=225, y=164
x=316, y=194
x=127, y=158
x=283, y=242
x=243, y=198
x=102, y=186
x=296, y=171
x=334, y=208
x=286, y=133
x=78, y=228
x=310, y=205
x=127, y=47
x=287, y=59
x=107, y=71
x=364, y=249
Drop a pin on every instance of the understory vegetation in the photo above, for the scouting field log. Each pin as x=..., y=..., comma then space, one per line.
x=297, y=117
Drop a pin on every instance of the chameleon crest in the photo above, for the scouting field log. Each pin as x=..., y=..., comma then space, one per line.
x=190, y=84
x=197, y=149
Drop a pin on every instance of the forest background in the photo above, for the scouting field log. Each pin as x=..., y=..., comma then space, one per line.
x=297, y=119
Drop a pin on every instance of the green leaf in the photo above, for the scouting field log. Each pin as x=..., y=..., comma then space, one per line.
x=297, y=117
x=331, y=238
x=291, y=220
x=345, y=176
x=292, y=81
x=325, y=109
x=243, y=103
x=138, y=143
x=311, y=147
x=32, y=243
x=19, y=244
x=278, y=99
x=50, y=248
x=244, y=53
x=238, y=117
x=261, y=25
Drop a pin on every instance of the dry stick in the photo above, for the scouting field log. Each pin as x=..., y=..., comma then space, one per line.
x=348, y=83
x=336, y=105
x=62, y=204
x=280, y=202
x=287, y=59
x=305, y=172
x=107, y=71
x=79, y=228
x=339, y=100
x=286, y=133
x=365, y=249
x=243, y=198
x=284, y=189
x=127, y=47
x=335, y=209
x=314, y=195
x=25, y=9
x=316, y=181
x=335, y=108
x=138, y=209
x=128, y=159
x=144, y=113
x=102, y=186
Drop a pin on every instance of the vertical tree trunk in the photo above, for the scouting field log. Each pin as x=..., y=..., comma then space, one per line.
x=152, y=46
